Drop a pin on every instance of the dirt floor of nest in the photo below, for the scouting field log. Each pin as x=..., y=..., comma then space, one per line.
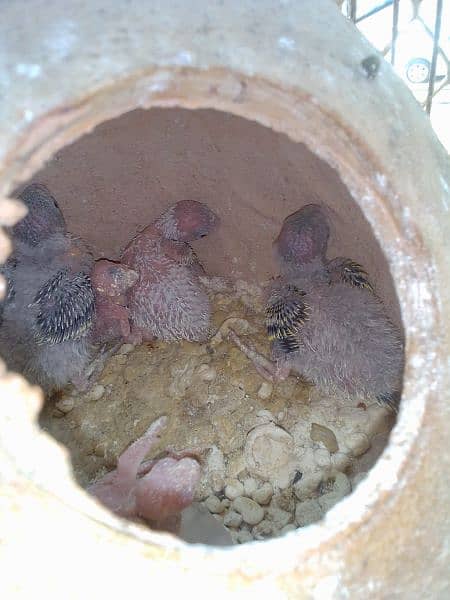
x=276, y=457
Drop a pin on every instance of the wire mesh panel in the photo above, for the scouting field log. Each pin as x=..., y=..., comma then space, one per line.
x=413, y=35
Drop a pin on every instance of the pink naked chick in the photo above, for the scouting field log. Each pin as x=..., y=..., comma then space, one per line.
x=156, y=490
x=111, y=282
x=169, y=302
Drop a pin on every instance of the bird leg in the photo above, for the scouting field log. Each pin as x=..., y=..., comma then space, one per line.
x=272, y=371
x=85, y=380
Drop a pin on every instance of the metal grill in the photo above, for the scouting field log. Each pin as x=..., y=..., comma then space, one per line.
x=351, y=10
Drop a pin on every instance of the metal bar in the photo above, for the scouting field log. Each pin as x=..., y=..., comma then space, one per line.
x=436, y=91
x=351, y=10
x=394, y=30
x=442, y=85
x=375, y=10
x=437, y=33
x=416, y=5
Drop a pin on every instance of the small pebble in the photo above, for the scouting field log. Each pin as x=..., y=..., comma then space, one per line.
x=234, y=489
x=100, y=449
x=357, y=443
x=265, y=414
x=380, y=418
x=251, y=512
x=65, y=405
x=341, y=488
x=322, y=457
x=285, y=500
x=327, y=501
x=236, y=466
x=263, y=530
x=288, y=528
x=250, y=486
x=232, y=519
x=206, y=372
x=265, y=390
x=340, y=461
x=307, y=485
x=214, y=505
x=243, y=537
x=126, y=349
x=96, y=393
x=320, y=433
x=269, y=454
x=279, y=517
x=264, y=494
x=226, y=503
x=215, y=465
x=308, y=512
x=342, y=484
x=217, y=482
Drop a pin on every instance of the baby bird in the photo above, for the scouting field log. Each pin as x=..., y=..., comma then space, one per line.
x=324, y=321
x=49, y=312
x=44, y=217
x=169, y=302
x=44, y=330
x=155, y=490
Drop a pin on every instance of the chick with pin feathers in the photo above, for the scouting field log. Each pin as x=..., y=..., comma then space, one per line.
x=325, y=321
x=48, y=315
x=42, y=220
x=169, y=302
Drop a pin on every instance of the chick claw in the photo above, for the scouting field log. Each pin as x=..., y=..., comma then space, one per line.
x=269, y=370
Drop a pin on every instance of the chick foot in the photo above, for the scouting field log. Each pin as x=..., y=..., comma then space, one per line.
x=271, y=371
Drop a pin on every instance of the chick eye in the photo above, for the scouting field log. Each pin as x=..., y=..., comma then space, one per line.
x=203, y=235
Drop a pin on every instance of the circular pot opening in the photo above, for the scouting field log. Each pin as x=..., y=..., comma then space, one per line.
x=290, y=449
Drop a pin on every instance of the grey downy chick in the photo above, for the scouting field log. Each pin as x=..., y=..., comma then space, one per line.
x=324, y=320
x=44, y=216
x=49, y=310
x=43, y=219
x=44, y=334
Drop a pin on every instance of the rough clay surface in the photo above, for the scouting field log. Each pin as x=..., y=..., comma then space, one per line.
x=262, y=470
